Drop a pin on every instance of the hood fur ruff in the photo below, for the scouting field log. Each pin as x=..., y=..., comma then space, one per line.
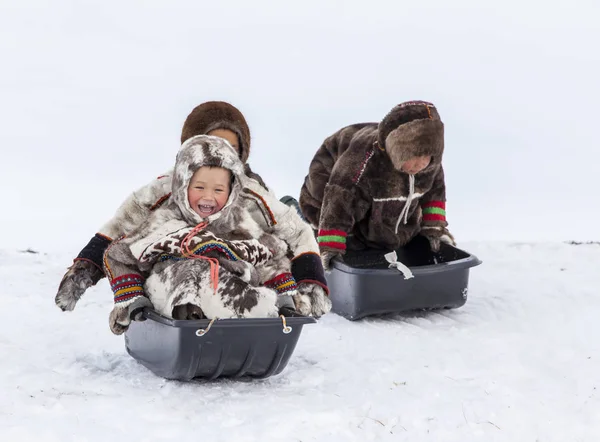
x=198, y=151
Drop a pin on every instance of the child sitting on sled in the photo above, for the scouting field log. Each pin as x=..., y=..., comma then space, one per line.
x=223, y=120
x=376, y=185
x=215, y=249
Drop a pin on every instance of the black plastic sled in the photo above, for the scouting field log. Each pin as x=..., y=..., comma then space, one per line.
x=362, y=284
x=231, y=348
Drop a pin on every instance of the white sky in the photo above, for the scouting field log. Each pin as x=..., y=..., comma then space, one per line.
x=93, y=95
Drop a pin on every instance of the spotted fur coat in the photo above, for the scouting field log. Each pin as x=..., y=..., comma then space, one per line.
x=255, y=245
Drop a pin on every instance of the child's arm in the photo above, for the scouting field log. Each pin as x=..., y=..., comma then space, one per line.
x=126, y=276
x=137, y=207
x=88, y=266
x=344, y=204
x=284, y=222
x=313, y=189
x=433, y=207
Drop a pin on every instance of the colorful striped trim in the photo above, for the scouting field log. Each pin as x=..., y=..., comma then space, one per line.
x=434, y=211
x=212, y=245
x=363, y=166
x=203, y=248
x=127, y=287
x=335, y=239
x=282, y=283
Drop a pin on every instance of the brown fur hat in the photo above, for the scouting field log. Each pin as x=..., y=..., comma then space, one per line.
x=218, y=115
x=412, y=129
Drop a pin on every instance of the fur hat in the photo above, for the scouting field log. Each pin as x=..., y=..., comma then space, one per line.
x=412, y=129
x=218, y=115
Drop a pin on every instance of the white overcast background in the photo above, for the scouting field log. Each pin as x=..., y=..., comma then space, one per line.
x=93, y=95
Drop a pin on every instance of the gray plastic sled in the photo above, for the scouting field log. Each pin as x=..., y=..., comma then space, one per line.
x=183, y=349
x=362, y=284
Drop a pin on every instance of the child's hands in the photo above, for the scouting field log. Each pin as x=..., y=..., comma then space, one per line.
x=311, y=300
x=437, y=234
x=80, y=276
x=122, y=313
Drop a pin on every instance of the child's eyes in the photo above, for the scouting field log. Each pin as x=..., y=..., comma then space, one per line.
x=219, y=190
x=199, y=187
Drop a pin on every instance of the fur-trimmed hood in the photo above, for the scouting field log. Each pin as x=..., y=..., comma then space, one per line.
x=198, y=151
x=412, y=129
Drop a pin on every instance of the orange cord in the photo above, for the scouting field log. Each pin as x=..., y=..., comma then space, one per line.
x=187, y=253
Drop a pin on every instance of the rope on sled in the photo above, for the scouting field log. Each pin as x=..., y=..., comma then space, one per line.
x=202, y=331
x=286, y=328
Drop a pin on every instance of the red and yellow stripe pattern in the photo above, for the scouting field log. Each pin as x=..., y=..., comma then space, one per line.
x=282, y=283
x=127, y=287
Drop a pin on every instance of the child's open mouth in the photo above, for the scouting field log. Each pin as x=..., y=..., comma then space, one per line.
x=206, y=209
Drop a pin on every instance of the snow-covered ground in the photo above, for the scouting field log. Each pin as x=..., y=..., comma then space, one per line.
x=519, y=362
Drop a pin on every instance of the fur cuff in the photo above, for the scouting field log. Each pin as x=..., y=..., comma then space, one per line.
x=127, y=287
x=94, y=251
x=333, y=239
x=434, y=211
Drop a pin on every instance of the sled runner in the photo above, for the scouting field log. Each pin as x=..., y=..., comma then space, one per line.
x=364, y=283
x=209, y=349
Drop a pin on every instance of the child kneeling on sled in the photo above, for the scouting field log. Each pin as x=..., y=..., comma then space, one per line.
x=214, y=250
x=378, y=185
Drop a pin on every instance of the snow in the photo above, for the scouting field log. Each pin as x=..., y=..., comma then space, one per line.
x=93, y=98
x=518, y=362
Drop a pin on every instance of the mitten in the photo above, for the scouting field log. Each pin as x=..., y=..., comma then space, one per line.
x=129, y=302
x=122, y=313
x=437, y=234
x=312, y=300
x=326, y=257
x=80, y=276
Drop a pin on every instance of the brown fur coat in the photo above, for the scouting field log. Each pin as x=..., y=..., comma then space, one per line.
x=355, y=194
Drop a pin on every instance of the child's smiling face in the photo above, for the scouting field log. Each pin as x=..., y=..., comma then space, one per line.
x=209, y=190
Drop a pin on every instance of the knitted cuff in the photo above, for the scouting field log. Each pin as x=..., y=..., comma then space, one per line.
x=282, y=283
x=127, y=287
x=308, y=268
x=333, y=239
x=94, y=251
x=434, y=211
